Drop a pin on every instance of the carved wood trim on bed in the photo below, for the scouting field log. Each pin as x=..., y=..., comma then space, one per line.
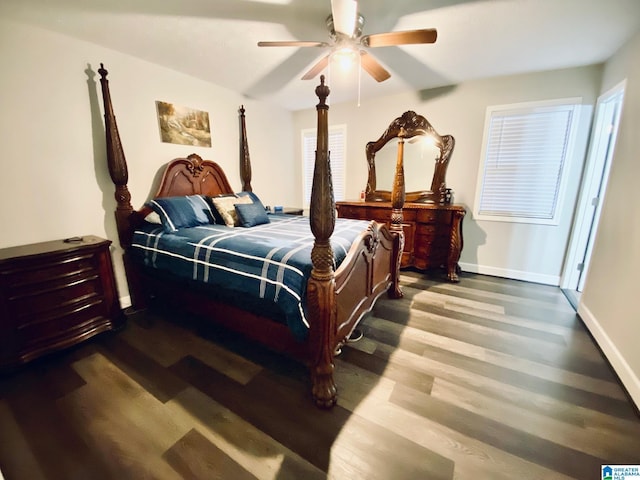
x=336, y=300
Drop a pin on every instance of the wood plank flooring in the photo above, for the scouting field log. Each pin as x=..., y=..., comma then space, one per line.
x=486, y=379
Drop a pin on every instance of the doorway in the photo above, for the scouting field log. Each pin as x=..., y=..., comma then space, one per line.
x=594, y=184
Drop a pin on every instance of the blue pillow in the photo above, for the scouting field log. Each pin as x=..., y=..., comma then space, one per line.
x=252, y=196
x=251, y=214
x=182, y=212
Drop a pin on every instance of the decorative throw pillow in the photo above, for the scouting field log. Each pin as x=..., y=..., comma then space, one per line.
x=154, y=218
x=181, y=212
x=251, y=214
x=227, y=210
x=216, y=215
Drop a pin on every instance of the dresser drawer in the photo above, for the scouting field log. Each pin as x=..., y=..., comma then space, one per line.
x=346, y=211
x=431, y=255
x=430, y=230
x=431, y=246
x=434, y=216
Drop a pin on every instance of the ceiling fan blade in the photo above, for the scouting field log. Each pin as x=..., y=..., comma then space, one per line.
x=292, y=44
x=317, y=68
x=344, y=13
x=408, y=37
x=373, y=67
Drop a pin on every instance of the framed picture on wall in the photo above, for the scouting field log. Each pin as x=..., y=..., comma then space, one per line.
x=183, y=125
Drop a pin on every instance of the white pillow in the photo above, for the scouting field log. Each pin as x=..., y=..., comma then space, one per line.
x=153, y=217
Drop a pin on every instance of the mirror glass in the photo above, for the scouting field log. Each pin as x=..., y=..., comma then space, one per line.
x=420, y=154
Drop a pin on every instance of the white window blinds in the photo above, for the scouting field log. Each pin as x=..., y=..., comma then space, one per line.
x=525, y=156
x=337, y=144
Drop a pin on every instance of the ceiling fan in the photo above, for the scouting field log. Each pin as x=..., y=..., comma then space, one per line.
x=345, y=29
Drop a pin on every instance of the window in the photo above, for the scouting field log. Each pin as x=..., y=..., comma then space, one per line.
x=337, y=147
x=525, y=157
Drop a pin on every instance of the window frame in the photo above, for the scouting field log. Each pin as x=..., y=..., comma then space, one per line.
x=572, y=104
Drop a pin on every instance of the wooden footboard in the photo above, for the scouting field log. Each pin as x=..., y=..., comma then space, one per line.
x=366, y=273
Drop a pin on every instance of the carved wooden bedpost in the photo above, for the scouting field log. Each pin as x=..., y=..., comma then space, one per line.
x=117, y=163
x=120, y=176
x=245, y=161
x=322, y=288
x=397, y=202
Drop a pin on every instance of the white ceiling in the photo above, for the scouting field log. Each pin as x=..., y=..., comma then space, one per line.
x=215, y=40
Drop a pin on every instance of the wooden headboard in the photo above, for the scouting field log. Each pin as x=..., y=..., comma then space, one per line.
x=191, y=176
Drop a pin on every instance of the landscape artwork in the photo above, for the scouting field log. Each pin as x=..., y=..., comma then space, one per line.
x=183, y=125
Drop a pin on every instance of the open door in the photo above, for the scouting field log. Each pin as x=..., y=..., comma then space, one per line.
x=594, y=184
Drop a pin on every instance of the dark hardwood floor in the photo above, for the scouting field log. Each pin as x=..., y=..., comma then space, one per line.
x=485, y=379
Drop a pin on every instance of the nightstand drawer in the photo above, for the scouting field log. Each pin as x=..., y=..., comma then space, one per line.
x=47, y=271
x=60, y=292
x=62, y=323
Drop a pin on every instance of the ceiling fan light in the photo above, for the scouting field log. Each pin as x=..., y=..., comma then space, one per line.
x=344, y=16
x=345, y=57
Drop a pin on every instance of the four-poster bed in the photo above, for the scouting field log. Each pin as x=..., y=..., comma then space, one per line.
x=339, y=290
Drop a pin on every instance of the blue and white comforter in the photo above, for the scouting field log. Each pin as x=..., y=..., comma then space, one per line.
x=270, y=261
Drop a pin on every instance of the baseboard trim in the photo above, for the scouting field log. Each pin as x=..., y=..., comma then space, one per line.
x=125, y=302
x=509, y=273
x=624, y=371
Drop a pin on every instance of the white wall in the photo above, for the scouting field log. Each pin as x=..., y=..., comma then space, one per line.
x=524, y=251
x=55, y=183
x=609, y=304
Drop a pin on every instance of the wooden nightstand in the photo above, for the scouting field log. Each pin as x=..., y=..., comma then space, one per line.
x=53, y=295
x=292, y=211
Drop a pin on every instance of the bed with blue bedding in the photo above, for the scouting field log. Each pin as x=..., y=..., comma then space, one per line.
x=299, y=285
x=271, y=261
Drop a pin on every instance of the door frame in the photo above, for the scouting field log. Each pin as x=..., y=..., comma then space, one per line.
x=593, y=187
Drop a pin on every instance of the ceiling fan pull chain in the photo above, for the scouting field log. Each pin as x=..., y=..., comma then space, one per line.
x=329, y=79
x=359, y=77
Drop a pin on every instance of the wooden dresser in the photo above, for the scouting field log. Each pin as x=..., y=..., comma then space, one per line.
x=432, y=232
x=53, y=295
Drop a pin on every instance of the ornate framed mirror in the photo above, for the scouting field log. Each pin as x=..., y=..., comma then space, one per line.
x=422, y=146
